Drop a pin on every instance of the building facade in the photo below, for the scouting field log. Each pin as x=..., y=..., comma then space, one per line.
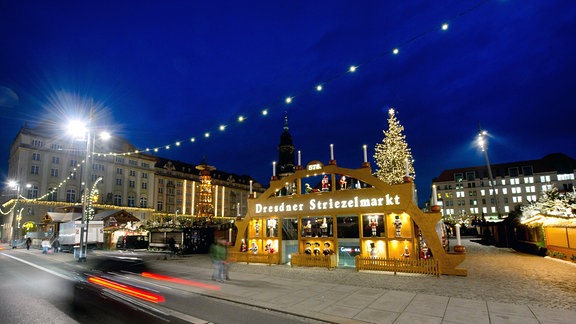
x=47, y=169
x=469, y=191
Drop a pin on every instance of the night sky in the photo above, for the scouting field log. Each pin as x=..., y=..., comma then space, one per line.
x=158, y=72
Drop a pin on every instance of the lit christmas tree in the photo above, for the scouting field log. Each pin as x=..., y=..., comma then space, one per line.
x=393, y=156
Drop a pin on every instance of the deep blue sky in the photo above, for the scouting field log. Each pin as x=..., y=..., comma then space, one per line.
x=165, y=71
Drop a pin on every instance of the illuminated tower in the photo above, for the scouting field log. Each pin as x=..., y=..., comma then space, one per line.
x=285, y=153
x=204, y=206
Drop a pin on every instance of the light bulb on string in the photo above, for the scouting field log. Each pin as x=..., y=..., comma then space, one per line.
x=319, y=88
x=207, y=134
x=222, y=127
x=241, y=118
x=352, y=68
x=395, y=51
x=445, y=26
x=264, y=112
x=288, y=100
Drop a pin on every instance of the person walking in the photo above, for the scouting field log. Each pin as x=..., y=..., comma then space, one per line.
x=218, y=254
x=56, y=245
x=45, y=246
x=28, y=243
x=172, y=246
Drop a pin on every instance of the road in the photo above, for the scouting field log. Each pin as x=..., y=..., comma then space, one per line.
x=36, y=288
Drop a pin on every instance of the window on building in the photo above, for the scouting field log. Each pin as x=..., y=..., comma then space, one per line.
x=514, y=181
x=144, y=175
x=564, y=177
x=118, y=170
x=513, y=172
x=527, y=170
x=73, y=163
x=119, y=160
x=528, y=179
x=118, y=181
x=131, y=201
x=132, y=173
x=545, y=178
x=505, y=191
x=132, y=184
x=133, y=162
x=470, y=176
x=54, y=172
x=71, y=195
x=160, y=205
x=458, y=177
x=56, y=147
x=531, y=198
x=32, y=192
x=35, y=156
x=145, y=165
x=37, y=143
x=55, y=160
x=144, y=185
x=118, y=200
x=34, y=169
x=160, y=190
x=547, y=187
x=160, y=181
x=52, y=194
x=143, y=202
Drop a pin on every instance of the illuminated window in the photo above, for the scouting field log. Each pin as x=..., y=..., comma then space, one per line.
x=563, y=177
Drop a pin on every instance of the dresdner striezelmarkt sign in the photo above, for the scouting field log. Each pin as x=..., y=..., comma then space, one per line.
x=328, y=204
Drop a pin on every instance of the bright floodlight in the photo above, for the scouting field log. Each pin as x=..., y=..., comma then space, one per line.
x=77, y=128
x=105, y=136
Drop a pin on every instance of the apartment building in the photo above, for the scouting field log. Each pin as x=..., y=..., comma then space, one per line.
x=47, y=167
x=470, y=191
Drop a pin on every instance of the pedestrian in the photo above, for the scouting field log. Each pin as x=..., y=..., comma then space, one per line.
x=56, y=245
x=28, y=243
x=218, y=254
x=172, y=246
x=45, y=246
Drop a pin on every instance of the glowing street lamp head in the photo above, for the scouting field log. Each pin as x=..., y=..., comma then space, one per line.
x=77, y=128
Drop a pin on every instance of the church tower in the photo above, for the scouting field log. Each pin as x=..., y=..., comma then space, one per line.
x=286, y=164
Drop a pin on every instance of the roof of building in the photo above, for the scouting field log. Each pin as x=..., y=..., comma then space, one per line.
x=555, y=162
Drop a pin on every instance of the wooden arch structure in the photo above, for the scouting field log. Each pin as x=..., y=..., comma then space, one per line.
x=373, y=197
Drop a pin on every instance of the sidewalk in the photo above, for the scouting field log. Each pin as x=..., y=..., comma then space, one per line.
x=502, y=286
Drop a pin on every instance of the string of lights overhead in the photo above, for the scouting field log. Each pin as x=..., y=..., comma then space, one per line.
x=316, y=88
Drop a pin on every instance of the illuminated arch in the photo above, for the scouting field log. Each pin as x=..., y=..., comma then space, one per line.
x=375, y=187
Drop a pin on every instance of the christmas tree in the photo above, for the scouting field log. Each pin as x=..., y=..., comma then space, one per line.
x=393, y=156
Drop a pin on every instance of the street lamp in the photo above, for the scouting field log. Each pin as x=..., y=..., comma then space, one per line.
x=484, y=146
x=16, y=218
x=80, y=128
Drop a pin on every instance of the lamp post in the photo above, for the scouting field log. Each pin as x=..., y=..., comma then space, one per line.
x=483, y=145
x=16, y=215
x=76, y=128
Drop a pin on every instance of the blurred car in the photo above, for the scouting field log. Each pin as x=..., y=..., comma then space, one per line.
x=110, y=289
x=132, y=242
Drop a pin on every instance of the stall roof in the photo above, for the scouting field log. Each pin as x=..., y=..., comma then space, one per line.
x=62, y=217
